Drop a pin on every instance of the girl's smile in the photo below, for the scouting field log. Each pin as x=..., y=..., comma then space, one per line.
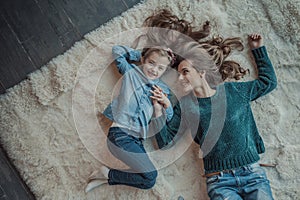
x=155, y=65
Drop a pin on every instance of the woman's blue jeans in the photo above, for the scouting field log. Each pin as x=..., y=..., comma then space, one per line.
x=248, y=182
x=130, y=150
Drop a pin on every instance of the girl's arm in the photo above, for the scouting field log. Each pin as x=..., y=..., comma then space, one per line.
x=122, y=55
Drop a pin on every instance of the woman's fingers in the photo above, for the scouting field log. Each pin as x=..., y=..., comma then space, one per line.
x=255, y=40
x=156, y=98
x=255, y=36
x=154, y=101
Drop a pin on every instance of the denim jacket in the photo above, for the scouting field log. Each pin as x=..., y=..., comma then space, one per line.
x=133, y=108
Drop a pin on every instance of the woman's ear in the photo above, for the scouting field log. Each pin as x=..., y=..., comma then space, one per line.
x=202, y=73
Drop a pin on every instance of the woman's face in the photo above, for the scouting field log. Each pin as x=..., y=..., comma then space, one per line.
x=189, y=77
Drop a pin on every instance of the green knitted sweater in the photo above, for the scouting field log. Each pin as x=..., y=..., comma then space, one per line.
x=223, y=124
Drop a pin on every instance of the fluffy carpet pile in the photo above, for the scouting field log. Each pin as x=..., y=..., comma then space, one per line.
x=51, y=130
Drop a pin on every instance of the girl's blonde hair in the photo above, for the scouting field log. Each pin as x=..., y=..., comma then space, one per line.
x=146, y=52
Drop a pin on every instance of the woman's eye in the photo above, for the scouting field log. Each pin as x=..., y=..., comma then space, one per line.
x=184, y=72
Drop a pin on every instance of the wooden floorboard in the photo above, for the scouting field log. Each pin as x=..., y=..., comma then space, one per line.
x=2, y=88
x=93, y=12
x=33, y=30
x=11, y=186
x=130, y=3
x=15, y=63
x=60, y=22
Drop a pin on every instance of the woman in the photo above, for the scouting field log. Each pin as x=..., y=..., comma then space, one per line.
x=226, y=130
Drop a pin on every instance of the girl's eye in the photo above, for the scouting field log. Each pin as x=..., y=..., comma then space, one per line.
x=161, y=68
x=151, y=62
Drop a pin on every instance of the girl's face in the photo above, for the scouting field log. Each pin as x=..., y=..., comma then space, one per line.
x=189, y=77
x=154, y=65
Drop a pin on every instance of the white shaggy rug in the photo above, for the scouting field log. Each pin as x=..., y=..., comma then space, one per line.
x=49, y=123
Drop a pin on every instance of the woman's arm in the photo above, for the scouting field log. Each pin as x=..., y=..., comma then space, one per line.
x=165, y=131
x=266, y=80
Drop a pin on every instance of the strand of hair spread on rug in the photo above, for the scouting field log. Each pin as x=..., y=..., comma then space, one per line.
x=218, y=47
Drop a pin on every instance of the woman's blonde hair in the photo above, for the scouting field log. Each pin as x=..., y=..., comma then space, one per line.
x=165, y=19
x=201, y=60
x=217, y=47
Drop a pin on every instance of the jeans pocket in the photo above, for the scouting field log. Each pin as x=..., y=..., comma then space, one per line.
x=256, y=168
x=257, y=175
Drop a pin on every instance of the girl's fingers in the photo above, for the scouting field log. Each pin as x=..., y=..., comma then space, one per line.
x=155, y=92
x=157, y=88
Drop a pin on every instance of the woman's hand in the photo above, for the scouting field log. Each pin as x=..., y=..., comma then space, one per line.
x=255, y=40
x=160, y=97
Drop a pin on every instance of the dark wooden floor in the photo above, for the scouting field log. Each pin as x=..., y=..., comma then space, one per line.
x=11, y=185
x=31, y=33
x=34, y=31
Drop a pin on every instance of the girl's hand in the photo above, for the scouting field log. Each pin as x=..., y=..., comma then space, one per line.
x=157, y=108
x=255, y=40
x=160, y=97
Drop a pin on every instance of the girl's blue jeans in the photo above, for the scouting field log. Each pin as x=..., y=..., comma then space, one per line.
x=247, y=182
x=130, y=150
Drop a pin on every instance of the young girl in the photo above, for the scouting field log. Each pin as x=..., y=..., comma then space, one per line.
x=226, y=129
x=131, y=112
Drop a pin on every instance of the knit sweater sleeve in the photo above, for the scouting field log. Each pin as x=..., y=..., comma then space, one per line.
x=266, y=80
x=122, y=55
